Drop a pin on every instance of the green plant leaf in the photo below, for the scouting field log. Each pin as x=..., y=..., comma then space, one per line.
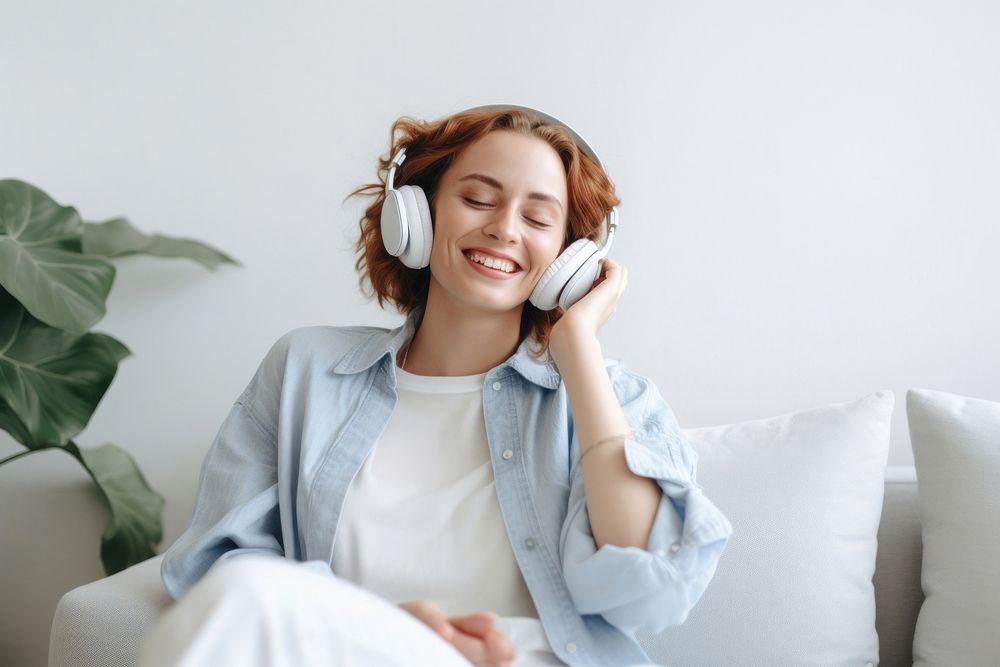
x=50, y=380
x=11, y=423
x=118, y=237
x=135, y=525
x=41, y=262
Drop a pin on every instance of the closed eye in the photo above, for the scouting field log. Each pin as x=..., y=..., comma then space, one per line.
x=475, y=203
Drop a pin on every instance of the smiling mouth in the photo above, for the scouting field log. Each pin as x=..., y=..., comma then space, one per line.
x=504, y=266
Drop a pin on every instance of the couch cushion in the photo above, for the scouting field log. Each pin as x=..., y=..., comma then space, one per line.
x=804, y=494
x=897, y=568
x=102, y=623
x=956, y=451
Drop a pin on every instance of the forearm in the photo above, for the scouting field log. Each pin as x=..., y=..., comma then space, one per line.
x=621, y=505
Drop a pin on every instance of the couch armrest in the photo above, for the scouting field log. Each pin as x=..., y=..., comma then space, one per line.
x=101, y=624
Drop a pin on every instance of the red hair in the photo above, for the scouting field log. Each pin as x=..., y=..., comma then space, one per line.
x=431, y=147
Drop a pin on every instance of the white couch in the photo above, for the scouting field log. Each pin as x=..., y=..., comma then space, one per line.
x=801, y=581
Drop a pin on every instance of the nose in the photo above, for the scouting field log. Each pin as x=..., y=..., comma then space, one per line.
x=504, y=225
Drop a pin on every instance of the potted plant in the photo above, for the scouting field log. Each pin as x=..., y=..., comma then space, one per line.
x=54, y=281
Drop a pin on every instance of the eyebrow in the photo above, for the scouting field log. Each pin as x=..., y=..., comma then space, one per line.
x=488, y=180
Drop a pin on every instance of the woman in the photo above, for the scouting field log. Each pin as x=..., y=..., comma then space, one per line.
x=476, y=486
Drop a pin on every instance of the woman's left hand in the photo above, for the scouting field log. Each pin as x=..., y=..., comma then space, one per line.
x=591, y=312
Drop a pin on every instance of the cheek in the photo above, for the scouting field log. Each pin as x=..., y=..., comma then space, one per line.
x=555, y=250
x=450, y=221
x=442, y=227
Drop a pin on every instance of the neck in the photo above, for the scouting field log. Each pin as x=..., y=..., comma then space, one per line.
x=454, y=339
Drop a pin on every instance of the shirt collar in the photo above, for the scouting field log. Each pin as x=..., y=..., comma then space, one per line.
x=386, y=343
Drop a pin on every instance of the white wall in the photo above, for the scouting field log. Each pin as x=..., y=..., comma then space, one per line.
x=809, y=202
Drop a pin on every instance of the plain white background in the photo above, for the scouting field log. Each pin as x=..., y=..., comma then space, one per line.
x=809, y=203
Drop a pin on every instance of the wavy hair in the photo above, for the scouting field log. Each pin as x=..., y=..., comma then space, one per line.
x=431, y=147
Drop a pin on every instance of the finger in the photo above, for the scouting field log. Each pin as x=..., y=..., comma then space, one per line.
x=495, y=643
x=438, y=621
x=477, y=624
x=616, y=274
x=432, y=616
x=447, y=631
x=473, y=648
x=618, y=271
x=492, y=652
x=498, y=646
x=612, y=269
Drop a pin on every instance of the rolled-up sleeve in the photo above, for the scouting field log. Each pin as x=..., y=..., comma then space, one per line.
x=652, y=589
x=236, y=510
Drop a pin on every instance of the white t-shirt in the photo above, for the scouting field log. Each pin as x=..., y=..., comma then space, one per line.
x=422, y=521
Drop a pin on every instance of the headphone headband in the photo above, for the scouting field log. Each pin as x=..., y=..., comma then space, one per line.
x=580, y=141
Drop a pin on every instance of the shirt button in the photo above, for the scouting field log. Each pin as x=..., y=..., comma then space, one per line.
x=530, y=543
x=675, y=547
x=496, y=386
x=508, y=454
x=571, y=647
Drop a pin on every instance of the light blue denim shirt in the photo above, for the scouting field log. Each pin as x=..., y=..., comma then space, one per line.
x=275, y=479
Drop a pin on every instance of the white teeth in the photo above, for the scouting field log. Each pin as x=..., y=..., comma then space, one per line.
x=492, y=262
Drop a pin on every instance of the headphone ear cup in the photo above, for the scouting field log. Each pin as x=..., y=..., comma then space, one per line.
x=393, y=223
x=581, y=282
x=546, y=294
x=419, y=229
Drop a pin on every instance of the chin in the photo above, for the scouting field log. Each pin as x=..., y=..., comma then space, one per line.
x=494, y=305
x=492, y=299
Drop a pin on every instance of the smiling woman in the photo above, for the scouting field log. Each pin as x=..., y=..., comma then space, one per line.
x=478, y=485
x=502, y=232
x=578, y=196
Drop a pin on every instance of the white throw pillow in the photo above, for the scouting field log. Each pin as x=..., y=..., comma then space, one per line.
x=956, y=451
x=803, y=492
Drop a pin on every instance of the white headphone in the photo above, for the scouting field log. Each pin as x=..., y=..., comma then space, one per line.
x=407, y=232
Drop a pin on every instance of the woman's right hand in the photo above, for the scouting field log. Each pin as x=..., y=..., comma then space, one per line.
x=474, y=635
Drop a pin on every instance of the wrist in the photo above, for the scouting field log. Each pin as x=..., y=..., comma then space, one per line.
x=569, y=336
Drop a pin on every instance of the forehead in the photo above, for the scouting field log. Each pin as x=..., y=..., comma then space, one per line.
x=518, y=161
